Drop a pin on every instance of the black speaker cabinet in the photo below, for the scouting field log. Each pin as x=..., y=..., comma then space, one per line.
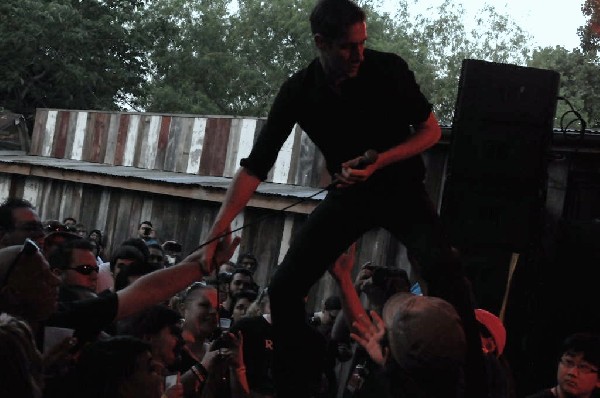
x=503, y=120
x=496, y=173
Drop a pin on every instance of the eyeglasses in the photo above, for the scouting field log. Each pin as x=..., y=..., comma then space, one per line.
x=581, y=367
x=84, y=269
x=29, y=248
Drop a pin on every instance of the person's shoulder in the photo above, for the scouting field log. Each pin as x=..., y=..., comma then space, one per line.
x=302, y=76
x=546, y=393
x=383, y=58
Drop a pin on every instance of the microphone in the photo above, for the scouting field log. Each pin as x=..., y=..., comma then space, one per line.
x=368, y=158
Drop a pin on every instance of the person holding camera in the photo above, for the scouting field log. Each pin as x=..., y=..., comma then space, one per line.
x=147, y=233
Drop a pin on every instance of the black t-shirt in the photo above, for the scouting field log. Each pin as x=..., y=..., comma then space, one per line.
x=258, y=352
x=374, y=110
x=87, y=317
x=547, y=393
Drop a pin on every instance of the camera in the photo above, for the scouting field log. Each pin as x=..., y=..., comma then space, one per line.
x=224, y=277
x=147, y=230
x=224, y=340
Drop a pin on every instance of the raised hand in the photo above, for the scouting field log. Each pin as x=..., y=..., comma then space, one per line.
x=369, y=335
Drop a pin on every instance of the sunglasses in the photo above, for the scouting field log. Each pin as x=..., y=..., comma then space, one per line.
x=84, y=269
x=29, y=248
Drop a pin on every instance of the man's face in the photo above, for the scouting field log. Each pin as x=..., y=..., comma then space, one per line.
x=200, y=313
x=77, y=274
x=156, y=257
x=35, y=286
x=239, y=282
x=121, y=264
x=165, y=344
x=240, y=308
x=27, y=224
x=577, y=377
x=145, y=231
x=341, y=58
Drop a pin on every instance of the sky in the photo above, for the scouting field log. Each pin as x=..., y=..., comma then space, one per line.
x=549, y=22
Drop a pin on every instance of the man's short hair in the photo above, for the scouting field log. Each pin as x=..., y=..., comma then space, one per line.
x=149, y=321
x=584, y=343
x=144, y=222
x=140, y=244
x=7, y=221
x=332, y=303
x=332, y=18
x=126, y=252
x=61, y=256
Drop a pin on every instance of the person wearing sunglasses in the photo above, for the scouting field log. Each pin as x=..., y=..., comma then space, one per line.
x=29, y=290
x=75, y=264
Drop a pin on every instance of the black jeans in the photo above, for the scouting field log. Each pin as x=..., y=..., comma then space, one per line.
x=340, y=219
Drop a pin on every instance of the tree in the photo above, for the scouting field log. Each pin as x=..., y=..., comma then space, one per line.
x=84, y=54
x=579, y=82
x=589, y=34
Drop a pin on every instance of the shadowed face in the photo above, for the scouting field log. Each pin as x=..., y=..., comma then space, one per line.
x=33, y=286
x=341, y=58
x=200, y=312
x=27, y=224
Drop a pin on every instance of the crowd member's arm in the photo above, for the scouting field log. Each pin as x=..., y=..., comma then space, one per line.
x=238, y=195
x=237, y=367
x=341, y=271
x=425, y=135
x=161, y=285
x=368, y=334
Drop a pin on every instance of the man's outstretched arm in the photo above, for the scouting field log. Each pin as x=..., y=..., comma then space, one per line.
x=161, y=285
x=238, y=195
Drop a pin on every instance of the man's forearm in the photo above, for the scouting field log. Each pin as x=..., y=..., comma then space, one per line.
x=238, y=195
x=156, y=287
x=353, y=308
x=426, y=135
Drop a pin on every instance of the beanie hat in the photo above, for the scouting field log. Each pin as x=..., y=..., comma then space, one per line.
x=424, y=332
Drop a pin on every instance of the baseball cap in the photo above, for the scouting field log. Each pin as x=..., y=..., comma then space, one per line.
x=494, y=325
x=424, y=332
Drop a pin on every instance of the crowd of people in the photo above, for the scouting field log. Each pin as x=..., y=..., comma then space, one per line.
x=146, y=322
x=184, y=330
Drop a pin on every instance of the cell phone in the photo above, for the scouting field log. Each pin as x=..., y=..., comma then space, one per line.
x=225, y=324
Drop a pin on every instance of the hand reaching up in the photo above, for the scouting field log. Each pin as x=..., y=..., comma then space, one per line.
x=369, y=334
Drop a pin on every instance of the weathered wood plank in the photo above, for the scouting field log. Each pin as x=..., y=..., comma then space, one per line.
x=111, y=139
x=39, y=127
x=60, y=136
x=48, y=139
x=132, y=138
x=174, y=144
x=196, y=145
x=122, y=139
x=163, y=140
x=79, y=136
x=215, y=138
